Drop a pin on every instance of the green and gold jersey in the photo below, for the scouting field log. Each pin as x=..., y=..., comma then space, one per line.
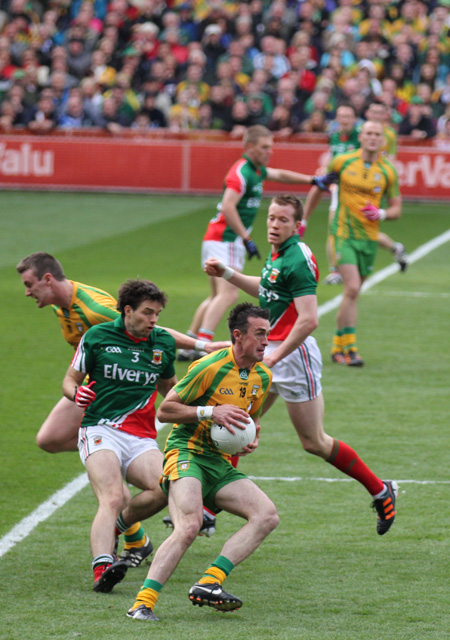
x=126, y=373
x=290, y=273
x=214, y=380
x=342, y=142
x=360, y=183
x=89, y=306
x=390, y=146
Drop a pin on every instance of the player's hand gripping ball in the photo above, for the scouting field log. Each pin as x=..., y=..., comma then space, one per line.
x=233, y=443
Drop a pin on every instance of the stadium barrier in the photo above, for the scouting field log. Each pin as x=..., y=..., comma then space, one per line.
x=181, y=163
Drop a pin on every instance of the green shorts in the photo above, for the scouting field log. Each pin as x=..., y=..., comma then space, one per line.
x=213, y=471
x=361, y=253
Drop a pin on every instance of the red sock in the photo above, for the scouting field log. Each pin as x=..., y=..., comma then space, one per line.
x=234, y=461
x=99, y=570
x=347, y=460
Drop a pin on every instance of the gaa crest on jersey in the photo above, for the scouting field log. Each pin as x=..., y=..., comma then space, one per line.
x=243, y=374
x=157, y=356
x=184, y=466
x=274, y=275
x=377, y=176
x=79, y=326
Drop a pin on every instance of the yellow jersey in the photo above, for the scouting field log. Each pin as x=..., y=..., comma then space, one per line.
x=89, y=306
x=360, y=183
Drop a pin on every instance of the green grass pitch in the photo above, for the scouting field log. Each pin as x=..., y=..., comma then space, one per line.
x=324, y=574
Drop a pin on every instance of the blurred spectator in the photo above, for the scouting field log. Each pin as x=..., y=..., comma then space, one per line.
x=7, y=116
x=316, y=123
x=188, y=26
x=220, y=110
x=43, y=117
x=255, y=106
x=272, y=57
x=74, y=115
x=111, y=119
x=415, y=123
x=194, y=74
x=442, y=140
x=142, y=122
x=78, y=60
x=240, y=119
x=145, y=39
x=282, y=123
x=92, y=99
x=163, y=101
x=155, y=115
x=212, y=46
x=183, y=115
x=204, y=121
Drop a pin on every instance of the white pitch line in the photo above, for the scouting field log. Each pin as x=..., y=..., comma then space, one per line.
x=58, y=499
x=44, y=511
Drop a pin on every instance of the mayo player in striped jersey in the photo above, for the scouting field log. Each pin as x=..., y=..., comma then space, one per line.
x=228, y=235
x=287, y=287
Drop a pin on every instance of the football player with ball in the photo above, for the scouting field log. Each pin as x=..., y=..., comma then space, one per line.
x=223, y=388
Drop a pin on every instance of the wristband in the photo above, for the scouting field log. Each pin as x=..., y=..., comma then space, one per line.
x=382, y=213
x=199, y=345
x=228, y=272
x=303, y=222
x=203, y=413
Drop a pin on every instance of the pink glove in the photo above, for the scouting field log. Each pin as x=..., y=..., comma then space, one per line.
x=373, y=213
x=85, y=395
x=302, y=228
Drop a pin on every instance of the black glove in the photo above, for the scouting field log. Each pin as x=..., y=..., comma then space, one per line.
x=252, y=249
x=323, y=182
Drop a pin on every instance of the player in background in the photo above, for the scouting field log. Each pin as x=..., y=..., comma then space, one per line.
x=77, y=307
x=287, y=287
x=228, y=235
x=196, y=472
x=128, y=361
x=365, y=179
x=346, y=138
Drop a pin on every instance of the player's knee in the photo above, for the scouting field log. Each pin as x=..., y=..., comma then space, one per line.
x=47, y=444
x=269, y=519
x=312, y=446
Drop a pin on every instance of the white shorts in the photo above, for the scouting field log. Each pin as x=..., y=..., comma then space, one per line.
x=296, y=378
x=232, y=254
x=126, y=447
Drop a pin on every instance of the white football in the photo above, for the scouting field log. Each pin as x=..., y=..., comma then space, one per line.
x=233, y=443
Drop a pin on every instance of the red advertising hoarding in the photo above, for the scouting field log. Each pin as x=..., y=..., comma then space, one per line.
x=182, y=166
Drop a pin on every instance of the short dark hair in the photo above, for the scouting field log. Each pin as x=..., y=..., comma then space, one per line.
x=133, y=292
x=238, y=318
x=287, y=199
x=42, y=263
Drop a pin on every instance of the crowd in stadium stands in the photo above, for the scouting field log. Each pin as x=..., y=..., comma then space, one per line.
x=223, y=65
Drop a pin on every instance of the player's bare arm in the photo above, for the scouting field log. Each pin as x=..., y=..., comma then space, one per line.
x=230, y=201
x=173, y=410
x=72, y=382
x=164, y=385
x=305, y=324
x=249, y=284
x=289, y=177
x=312, y=200
x=184, y=341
